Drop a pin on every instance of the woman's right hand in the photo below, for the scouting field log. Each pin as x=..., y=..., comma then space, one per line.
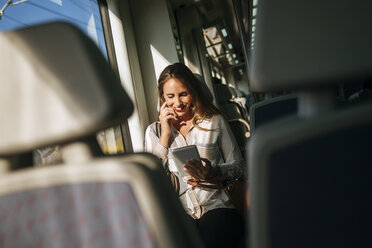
x=167, y=116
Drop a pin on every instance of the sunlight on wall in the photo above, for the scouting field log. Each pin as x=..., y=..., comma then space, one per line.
x=159, y=61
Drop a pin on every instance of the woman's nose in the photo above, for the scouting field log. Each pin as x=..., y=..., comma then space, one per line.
x=177, y=102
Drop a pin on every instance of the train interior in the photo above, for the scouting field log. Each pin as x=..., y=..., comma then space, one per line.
x=78, y=89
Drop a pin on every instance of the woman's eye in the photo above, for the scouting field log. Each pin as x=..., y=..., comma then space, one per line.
x=170, y=96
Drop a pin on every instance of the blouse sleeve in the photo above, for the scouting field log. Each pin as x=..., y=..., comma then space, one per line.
x=233, y=166
x=152, y=143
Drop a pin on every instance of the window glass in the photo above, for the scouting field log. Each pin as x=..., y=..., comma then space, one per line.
x=82, y=13
x=85, y=14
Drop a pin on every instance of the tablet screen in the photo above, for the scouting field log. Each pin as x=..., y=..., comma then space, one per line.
x=181, y=155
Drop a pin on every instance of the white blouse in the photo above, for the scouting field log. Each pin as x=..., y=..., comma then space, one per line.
x=218, y=146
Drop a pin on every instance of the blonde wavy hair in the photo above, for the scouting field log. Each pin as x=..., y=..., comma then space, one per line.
x=202, y=107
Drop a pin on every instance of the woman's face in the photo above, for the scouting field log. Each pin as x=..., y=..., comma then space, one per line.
x=177, y=97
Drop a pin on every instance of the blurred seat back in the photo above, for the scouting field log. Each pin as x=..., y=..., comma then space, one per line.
x=308, y=173
x=283, y=60
x=268, y=110
x=109, y=202
x=309, y=181
x=56, y=87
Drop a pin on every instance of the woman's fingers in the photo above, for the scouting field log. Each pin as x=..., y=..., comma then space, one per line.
x=201, y=171
x=195, y=165
x=166, y=117
x=164, y=112
x=162, y=109
x=196, y=169
x=192, y=171
x=207, y=163
x=163, y=106
x=170, y=117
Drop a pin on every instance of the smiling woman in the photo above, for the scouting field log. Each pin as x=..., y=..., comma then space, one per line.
x=188, y=117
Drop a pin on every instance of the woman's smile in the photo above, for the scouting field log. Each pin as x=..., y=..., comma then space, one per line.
x=178, y=97
x=179, y=109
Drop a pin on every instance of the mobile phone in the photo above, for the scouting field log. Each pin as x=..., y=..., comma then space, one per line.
x=181, y=155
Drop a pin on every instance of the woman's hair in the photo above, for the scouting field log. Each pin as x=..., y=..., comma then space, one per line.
x=202, y=107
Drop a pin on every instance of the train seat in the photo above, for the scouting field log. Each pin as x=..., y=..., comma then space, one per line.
x=226, y=95
x=108, y=202
x=265, y=111
x=240, y=99
x=308, y=180
x=66, y=93
x=234, y=115
x=205, y=88
x=309, y=173
x=60, y=95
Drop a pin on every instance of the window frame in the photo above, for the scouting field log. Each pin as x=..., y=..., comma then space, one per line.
x=124, y=126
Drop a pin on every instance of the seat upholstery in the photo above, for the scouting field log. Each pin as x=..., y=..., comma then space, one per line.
x=43, y=217
x=109, y=202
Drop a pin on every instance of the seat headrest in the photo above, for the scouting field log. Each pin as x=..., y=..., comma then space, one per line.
x=223, y=93
x=56, y=86
x=305, y=44
x=204, y=87
x=233, y=91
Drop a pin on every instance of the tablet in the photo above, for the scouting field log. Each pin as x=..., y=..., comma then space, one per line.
x=181, y=155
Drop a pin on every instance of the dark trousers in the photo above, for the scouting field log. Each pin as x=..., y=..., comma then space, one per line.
x=221, y=227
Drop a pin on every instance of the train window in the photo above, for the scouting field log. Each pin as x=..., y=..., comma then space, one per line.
x=83, y=14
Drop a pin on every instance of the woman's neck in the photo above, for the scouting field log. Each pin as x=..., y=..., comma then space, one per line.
x=186, y=118
x=183, y=124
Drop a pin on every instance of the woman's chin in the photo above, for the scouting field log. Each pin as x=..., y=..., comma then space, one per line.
x=179, y=115
x=183, y=116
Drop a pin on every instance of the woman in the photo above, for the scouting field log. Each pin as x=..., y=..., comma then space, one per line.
x=188, y=117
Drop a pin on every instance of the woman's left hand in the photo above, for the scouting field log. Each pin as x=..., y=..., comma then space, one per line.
x=201, y=172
